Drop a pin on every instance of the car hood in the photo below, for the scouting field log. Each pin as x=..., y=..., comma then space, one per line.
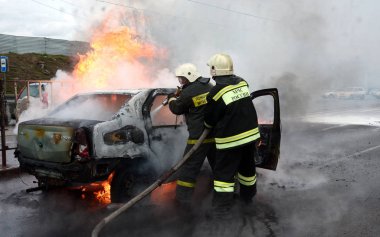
x=74, y=123
x=49, y=139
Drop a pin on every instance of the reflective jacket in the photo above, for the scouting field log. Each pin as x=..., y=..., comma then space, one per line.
x=191, y=103
x=231, y=113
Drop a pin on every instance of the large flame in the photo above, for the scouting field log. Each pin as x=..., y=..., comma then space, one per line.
x=119, y=59
x=115, y=54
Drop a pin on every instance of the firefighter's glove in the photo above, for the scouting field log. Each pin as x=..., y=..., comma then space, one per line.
x=171, y=97
x=178, y=92
x=167, y=99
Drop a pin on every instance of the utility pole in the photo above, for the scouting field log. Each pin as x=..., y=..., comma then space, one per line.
x=4, y=69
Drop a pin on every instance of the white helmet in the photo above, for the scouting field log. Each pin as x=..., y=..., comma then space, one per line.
x=221, y=65
x=189, y=71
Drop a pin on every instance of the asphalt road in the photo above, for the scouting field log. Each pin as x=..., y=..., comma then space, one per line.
x=326, y=184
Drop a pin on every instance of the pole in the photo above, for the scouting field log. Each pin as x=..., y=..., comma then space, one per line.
x=2, y=109
x=163, y=178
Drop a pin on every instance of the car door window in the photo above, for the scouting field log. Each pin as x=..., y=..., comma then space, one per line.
x=161, y=114
x=264, y=109
x=167, y=138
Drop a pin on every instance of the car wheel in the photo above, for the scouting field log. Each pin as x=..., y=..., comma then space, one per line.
x=130, y=179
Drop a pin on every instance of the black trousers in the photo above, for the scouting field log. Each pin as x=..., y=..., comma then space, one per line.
x=231, y=164
x=190, y=170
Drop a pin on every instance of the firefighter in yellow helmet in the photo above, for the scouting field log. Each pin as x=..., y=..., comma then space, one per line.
x=232, y=115
x=191, y=103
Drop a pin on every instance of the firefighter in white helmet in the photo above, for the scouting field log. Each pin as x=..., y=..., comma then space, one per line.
x=191, y=103
x=232, y=115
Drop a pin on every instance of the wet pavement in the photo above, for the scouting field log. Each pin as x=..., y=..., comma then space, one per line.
x=326, y=184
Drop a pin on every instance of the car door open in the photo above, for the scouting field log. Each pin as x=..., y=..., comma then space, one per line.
x=267, y=105
x=166, y=131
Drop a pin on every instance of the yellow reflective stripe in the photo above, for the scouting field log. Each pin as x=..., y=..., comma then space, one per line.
x=200, y=99
x=237, y=143
x=247, y=181
x=228, y=88
x=185, y=184
x=207, y=126
x=236, y=94
x=223, y=187
x=224, y=190
x=238, y=136
x=193, y=141
x=223, y=184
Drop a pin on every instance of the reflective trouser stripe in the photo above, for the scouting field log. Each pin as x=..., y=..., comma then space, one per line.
x=185, y=184
x=238, y=142
x=247, y=181
x=223, y=187
x=193, y=141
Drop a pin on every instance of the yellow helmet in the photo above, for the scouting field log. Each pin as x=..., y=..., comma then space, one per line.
x=189, y=71
x=221, y=65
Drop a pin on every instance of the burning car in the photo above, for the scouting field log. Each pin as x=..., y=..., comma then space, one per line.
x=346, y=93
x=128, y=134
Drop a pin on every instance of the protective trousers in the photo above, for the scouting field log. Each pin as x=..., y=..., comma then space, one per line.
x=233, y=163
x=188, y=173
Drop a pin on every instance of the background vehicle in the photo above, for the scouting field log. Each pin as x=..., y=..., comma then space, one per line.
x=128, y=133
x=375, y=93
x=32, y=89
x=347, y=93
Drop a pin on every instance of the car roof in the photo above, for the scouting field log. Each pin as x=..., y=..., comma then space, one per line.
x=37, y=83
x=110, y=92
x=122, y=91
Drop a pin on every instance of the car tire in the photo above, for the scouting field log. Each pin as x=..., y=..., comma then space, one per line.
x=130, y=179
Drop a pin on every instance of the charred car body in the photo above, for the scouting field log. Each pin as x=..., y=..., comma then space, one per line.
x=126, y=132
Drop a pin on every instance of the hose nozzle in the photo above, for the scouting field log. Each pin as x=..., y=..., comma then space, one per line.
x=165, y=102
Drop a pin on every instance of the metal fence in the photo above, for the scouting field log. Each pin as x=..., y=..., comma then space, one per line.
x=42, y=45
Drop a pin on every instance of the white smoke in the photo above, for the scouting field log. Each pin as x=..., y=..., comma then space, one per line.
x=301, y=47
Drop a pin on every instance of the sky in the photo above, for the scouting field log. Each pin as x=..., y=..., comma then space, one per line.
x=300, y=45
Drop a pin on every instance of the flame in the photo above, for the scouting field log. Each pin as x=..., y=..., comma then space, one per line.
x=104, y=195
x=119, y=59
x=112, y=55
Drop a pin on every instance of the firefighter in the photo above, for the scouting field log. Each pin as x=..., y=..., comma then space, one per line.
x=44, y=97
x=232, y=115
x=191, y=102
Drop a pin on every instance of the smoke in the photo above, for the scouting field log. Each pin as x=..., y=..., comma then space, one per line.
x=303, y=48
x=274, y=42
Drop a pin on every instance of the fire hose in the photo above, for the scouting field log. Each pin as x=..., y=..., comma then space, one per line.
x=151, y=188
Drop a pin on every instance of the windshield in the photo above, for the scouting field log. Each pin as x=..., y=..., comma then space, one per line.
x=92, y=107
x=33, y=91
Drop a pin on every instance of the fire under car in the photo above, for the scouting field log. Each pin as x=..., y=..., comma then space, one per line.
x=126, y=133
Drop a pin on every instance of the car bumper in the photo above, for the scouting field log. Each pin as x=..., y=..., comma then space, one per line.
x=73, y=173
